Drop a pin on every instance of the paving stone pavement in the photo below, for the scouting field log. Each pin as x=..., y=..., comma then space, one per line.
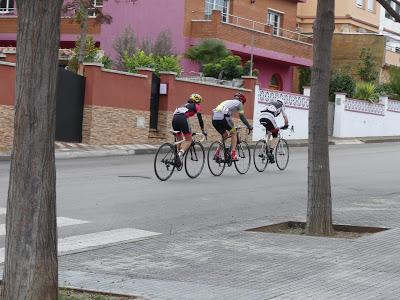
x=227, y=262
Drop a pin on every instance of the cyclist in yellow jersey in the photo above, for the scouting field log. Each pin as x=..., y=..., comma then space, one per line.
x=222, y=121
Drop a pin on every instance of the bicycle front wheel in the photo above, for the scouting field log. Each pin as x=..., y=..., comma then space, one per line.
x=194, y=160
x=260, y=156
x=282, y=154
x=216, y=158
x=242, y=165
x=164, y=161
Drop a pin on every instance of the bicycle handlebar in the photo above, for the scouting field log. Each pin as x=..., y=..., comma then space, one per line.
x=204, y=136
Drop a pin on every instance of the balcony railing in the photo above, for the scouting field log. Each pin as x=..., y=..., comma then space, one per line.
x=266, y=28
x=7, y=11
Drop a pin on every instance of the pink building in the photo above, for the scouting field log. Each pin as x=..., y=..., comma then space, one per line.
x=264, y=28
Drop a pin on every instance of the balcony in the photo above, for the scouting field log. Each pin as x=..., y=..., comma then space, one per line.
x=252, y=36
x=9, y=23
x=392, y=56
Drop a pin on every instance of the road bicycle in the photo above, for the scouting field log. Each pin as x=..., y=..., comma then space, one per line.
x=262, y=147
x=167, y=158
x=219, y=156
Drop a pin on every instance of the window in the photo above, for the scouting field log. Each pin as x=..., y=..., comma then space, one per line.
x=371, y=4
x=222, y=5
x=97, y=5
x=276, y=83
x=395, y=6
x=6, y=6
x=274, y=20
x=360, y=3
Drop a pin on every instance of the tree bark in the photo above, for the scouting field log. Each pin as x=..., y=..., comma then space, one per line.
x=31, y=267
x=83, y=32
x=319, y=207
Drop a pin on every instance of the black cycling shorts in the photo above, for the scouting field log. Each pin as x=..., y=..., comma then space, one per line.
x=180, y=123
x=269, y=126
x=223, y=125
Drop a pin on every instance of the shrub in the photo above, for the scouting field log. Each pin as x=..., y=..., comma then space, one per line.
x=159, y=63
x=231, y=66
x=211, y=70
x=367, y=69
x=395, y=82
x=208, y=51
x=304, y=78
x=246, y=69
x=138, y=60
x=163, y=44
x=125, y=42
x=366, y=91
x=92, y=54
x=341, y=82
x=106, y=61
x=167, y=63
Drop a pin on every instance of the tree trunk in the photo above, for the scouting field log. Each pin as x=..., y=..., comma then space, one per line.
x=319, y=207
x=83, y=32
x=31, y=268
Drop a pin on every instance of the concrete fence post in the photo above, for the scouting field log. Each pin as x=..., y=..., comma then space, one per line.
x=384, y=100
x=306, y=91
x=338, y=123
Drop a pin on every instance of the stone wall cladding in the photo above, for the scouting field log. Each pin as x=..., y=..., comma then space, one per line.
x=107, y=125
x=6, y=126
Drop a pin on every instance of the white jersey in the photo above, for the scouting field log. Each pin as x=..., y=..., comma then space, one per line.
x=274, y=108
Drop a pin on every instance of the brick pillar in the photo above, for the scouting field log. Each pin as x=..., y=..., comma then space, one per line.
x=249, y=82
x=91, y=71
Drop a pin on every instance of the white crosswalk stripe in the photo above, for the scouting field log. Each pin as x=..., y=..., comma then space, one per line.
x=61, y=222
x=85, y=241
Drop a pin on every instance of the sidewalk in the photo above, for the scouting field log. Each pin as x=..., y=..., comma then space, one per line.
x=227, y=262
x=76, y=150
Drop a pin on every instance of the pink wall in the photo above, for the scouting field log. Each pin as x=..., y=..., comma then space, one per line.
x=269, y=68
x=147, y=19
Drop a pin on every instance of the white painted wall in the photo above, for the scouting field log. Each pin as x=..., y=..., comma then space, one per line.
x=296, y=110
x=388, y=24
x=369, y=120
x=352, y=118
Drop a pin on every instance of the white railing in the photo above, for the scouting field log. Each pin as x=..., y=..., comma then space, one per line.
x=266, y=28
x=364, y=106
x=394, y=106
x=7, y=11
x=290, y=100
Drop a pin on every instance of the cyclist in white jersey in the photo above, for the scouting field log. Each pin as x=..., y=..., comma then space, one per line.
x=222, y=121
x=267, y=119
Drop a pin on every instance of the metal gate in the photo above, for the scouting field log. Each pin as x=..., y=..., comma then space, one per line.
x=69, y=112
x=154, y=101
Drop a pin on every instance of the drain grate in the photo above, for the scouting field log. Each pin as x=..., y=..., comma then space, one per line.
x=134, y=176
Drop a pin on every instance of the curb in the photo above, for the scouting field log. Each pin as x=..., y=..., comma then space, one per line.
x=59, y=155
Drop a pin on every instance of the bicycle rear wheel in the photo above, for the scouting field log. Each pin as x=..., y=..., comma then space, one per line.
x=216, y=158
x=260, y=156
x=194, y=160
x=164, y=161
x=282, y=154
x=242, y=165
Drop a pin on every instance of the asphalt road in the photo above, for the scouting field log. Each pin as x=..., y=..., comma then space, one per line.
x=119, y=192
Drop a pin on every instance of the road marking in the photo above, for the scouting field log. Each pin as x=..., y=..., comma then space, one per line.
x=84, y=241
x=61, y=222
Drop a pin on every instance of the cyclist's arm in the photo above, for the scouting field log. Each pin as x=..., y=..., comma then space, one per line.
x=244, y=120
x=284, y=115
x=201, y=122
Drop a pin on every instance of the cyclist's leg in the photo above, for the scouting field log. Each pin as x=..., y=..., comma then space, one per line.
x=232, y=130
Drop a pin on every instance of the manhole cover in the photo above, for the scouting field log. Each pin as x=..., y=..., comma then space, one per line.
x=340, y=231
x=134, y=176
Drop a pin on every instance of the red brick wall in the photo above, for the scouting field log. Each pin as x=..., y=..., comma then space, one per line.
x=180, y=90
x=194, y=10
x=7, y=84
x=116, y=89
